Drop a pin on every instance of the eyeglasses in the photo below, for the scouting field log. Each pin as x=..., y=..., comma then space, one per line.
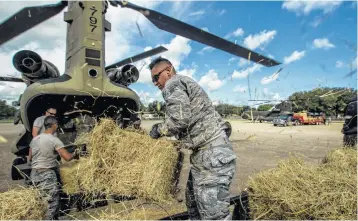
x=51, y=113
x=155, y=78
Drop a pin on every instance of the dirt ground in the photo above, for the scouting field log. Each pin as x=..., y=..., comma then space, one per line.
x=261, y=146
x=258, y=147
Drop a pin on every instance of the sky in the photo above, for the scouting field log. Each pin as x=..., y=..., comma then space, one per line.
x=315, y=41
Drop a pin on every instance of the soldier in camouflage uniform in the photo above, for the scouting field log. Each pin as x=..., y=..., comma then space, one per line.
x=192, y=119
x=45, y=148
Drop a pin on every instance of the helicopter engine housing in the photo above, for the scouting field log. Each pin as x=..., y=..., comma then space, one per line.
x=32, y=67
x=127, y=75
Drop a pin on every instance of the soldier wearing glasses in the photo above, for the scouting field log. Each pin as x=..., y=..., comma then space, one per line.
x=38, y=126
x=192, y=119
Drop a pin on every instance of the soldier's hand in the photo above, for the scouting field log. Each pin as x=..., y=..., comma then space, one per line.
x=155, y=133
x=76, y=154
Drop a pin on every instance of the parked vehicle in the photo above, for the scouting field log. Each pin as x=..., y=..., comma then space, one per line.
x=308, y=118
x=284, y=120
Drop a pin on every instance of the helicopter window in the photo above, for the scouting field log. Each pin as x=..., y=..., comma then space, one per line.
x=92, y=73
x=93, y=53
x=93, y=62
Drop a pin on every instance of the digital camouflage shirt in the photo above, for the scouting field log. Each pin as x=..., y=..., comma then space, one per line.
x=190, y=115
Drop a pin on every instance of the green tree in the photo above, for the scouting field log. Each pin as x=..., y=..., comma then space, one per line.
x=6, y=111
x=264, y=107
x=330, y=101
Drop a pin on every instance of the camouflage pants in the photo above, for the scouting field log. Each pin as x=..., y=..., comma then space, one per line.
x=207, y=193
x=47, y=183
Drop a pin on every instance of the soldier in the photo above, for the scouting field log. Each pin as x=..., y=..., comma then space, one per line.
x=192, y=118
x=38, y=126
x=45, y=148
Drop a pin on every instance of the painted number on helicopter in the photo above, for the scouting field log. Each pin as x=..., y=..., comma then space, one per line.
x=93, y=20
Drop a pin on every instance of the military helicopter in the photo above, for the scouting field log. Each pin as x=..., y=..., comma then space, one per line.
x=284, y=107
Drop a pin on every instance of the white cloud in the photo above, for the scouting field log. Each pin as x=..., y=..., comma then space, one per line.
x=246, y=72
x=178, y=49
x=188, y=72
x=232, y=60
x=260, y=39
x=305, y=7
x=340, y=64
x=10, y=91
x=221, y=12
x=240, y=89
x=270, y=56
x=180, y=9
x=237, y=33
x=271, y=95
x=207, y=48
x=317, y=22
x=296, y=55
x=269, y=79
x=200, y=12
x=276, y=96
x=145, y=97
x=211, y=81
x=243, y=62
x=322, y=43
x=215, y=102
x=158, y=94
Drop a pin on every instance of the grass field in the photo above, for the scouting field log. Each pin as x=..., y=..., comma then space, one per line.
x=6, y=121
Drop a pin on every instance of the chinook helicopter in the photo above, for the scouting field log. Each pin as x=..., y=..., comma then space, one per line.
x=88, y=89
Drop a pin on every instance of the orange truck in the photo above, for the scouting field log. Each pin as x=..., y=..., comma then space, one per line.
x=305, y=118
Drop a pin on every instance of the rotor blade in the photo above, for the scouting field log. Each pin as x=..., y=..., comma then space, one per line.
x=138, y=57
x=11, y=79
x=188, y=31
x=27, y=18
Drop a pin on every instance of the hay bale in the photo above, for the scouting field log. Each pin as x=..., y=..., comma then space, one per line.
x=295, y=190
x=70, y=178
x=344, y=158
x=124, y=163
x=22, y=204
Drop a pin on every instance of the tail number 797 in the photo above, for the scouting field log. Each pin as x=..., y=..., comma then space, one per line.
x=93, y=20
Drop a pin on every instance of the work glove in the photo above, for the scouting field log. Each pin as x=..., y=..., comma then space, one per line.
x=155, y=132
x=80, y=152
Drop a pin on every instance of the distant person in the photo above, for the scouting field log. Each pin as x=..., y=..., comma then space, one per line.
x=329, y=120
x=38, y=126
x=44, y=151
